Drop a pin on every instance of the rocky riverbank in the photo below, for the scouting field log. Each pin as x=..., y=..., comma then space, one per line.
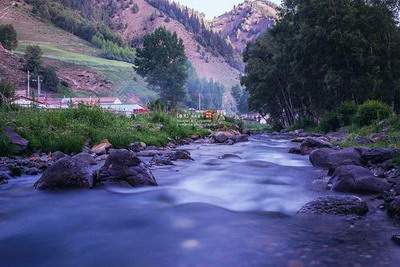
x=104, y=164
x=365, y=178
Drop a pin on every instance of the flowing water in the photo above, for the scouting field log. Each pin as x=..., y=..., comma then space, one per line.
x=232, y=206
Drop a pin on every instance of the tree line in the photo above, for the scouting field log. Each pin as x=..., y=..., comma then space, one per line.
x=322, y=53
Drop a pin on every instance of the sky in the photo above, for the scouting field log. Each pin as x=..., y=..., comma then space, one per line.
x=213, y=8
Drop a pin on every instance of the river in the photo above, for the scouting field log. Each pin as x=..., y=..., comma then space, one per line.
x=232, y=206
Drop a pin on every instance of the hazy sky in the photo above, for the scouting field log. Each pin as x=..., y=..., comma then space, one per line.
x=213, y=8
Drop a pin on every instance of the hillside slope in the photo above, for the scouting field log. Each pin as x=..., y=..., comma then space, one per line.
x=246, y=22
x=207, y=64
x=77, y=61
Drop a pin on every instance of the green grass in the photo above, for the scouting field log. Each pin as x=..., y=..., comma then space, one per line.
x=68, y=130
x=121, y=74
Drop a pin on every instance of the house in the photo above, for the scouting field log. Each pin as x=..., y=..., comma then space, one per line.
x=28, y=102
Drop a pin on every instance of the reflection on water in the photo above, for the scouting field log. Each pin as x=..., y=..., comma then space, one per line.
x=216, y=211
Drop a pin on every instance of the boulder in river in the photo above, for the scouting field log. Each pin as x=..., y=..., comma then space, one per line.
x=57, y=156
x=229, y=138
x=85, y=158
x=4, y=177
x=68, y=172
x=312, y=143
x=336, y=205
x=102, y=148
x=330, y=158
x=377, y=155
x=357, y=179
x=295, y=150
x=124, y=166
x=19, y=143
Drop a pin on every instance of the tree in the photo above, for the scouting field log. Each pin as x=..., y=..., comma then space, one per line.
x=8, y=37
x=7, y=92
x=241, y=98
x=50, y=79
x=33, y=59
x=322, y=53
x=162, y=61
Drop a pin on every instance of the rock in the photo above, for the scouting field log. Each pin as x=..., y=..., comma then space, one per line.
x=229, y=156
x=161, y=161
x=230, y=142
x=32, y=171
x=298, y=140
x=66, y=173
x=137, y=146
x=312, y=143
x=377, y=155
x=85, y=158
x=393, y=208
x=179, y=154
x=150, y=153
x=124, y=165
x=336, y=205
x=222, y=137
x=361, y=140
x=328, y=158
x=379, y=137
x=295, y=150
x=102, y=148
x=357, y=179
x=241, y=138
x=20, y=144
x=4, y=177
x=396, y=239
x=57, y=155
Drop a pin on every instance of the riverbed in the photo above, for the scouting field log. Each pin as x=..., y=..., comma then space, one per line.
x=231, y=206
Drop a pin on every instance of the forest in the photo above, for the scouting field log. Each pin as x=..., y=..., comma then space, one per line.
x=323, y=53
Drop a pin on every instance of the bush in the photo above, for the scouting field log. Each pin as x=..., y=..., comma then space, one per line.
x=50, y=79
x=330, y=122
x=135, y=8
x=8, y=37
x=347, y=112
x=372, y=111
x=7, y=92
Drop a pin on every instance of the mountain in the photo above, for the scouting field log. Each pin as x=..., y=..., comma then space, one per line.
x=208, y=52
x=246, y=22
x=89, y=42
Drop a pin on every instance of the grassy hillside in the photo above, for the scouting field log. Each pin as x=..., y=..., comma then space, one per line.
x=72, y=56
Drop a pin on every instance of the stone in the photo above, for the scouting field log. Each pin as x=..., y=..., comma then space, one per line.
x=357, y=179
x=66, y=173
x=161, y=161
x=312, y=143
x=57, y=155
x=298, y=139
x=328, y=158
x=124, y=166
x=377, y=155
x=101, y=148
x=19, y=143
x=86, y=158
x=379, y=137
x=295, y=150
x=393, y=208
x=396, y=239
x=241, y=138
x=4, y=177
x=336, y=205
x=137, y=146
x=179, y=154
x=361, y=140
x=222, y=137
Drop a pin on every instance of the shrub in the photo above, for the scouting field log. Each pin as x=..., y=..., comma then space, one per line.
x=372, y=111
x=330, y=122
x=347, y=112
x=135, y=8
x=50, y=79
x=8, y=37
x=7, y=92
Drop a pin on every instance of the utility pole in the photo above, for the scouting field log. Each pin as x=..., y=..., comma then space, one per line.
x=39, y=88
x=199, y=101
x=28, y=93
